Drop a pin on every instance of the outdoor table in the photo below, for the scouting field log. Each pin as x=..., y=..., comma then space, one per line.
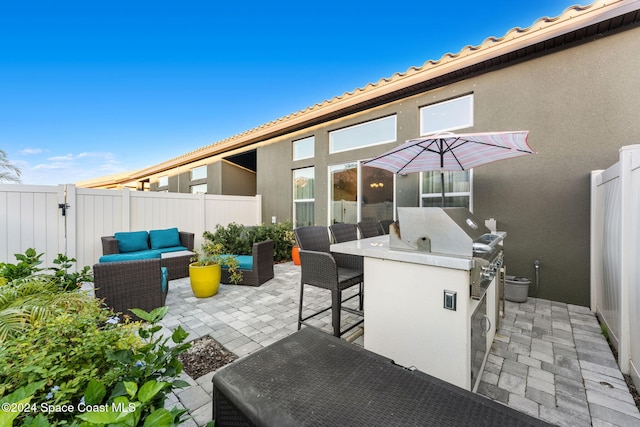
x=311, y=378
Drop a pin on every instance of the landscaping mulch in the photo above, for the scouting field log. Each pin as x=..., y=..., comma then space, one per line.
x=204, y=356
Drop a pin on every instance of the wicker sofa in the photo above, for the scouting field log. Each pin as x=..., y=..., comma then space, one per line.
x=260, y=262
x=130, y=284
x=176, y=259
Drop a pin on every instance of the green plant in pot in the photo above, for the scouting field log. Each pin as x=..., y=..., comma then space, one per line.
x=205, y=269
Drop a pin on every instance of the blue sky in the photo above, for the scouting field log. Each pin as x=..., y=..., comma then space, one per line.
x=89, y=89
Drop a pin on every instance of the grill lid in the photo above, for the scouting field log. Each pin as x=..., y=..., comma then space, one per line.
x=451, y=231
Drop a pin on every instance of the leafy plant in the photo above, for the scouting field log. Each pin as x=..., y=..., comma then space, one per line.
x=238, y=239
x=70, y=281
x=24, y=302
x=26, y=266
x=82, y=358
x=212, y=254
x=233, y=238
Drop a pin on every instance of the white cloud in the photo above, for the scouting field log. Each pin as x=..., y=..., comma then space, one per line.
x=52, y=166
x=67, y=157
x=69, y=168
x=30, y=151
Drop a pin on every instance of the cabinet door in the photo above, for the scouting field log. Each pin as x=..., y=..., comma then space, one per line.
x=478, y=340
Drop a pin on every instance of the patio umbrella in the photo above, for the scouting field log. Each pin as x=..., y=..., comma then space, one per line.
x=452, y=152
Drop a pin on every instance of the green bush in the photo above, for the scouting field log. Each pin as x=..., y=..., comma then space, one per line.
x=25, y=289
x=237, y=239
x=61, y=353
x=84, y=358
x=67, y=349
x=28, y=266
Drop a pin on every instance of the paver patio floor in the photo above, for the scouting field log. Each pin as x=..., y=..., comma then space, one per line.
x=548, y=359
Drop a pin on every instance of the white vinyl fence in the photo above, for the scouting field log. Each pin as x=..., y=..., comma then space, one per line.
x=70, y=220
x=615, y=255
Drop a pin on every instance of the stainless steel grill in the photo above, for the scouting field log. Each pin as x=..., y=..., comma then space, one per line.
x=452, y=232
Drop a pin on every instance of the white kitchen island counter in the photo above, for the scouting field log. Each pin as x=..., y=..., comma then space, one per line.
x=378, y=247
x=404, y=315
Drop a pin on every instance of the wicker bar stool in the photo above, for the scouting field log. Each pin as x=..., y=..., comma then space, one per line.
x=344, y=232
x=334, y=272
x=369, y=229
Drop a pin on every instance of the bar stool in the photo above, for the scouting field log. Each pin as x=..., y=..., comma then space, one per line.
x=335, y=272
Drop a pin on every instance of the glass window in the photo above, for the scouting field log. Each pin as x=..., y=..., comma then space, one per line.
x=163, y=181
x=303, y=197
x=375, y=132
x=457, y=186
x=343, y=183
x=200, y=188
x=448, y=115
x=377, y=194
x=304, y=148
x=199, y=173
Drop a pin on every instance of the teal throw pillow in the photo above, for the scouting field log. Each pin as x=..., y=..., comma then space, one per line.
x=164, y=238
x=132, y=241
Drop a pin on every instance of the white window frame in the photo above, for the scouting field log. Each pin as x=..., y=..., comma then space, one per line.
x=359, y=165
x=468, y=121
x=311, y=140
x=293, y=189
x=200, y=186
x=198, y=171
x=355, y=128
x=469, y=193
x=163, y=181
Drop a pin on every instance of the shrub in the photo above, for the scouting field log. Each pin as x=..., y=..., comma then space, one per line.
x=237, y=239
x=63, y=353
x=25, y=289
x=28, y=266
x=83, y=358
x=66, y=350
x=233, y=238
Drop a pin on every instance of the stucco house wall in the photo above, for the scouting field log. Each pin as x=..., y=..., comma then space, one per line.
x=580, y=106
x=572, y=81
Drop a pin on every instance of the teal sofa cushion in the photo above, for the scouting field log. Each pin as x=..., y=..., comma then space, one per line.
x=132, y=241
x=245, y=261
x=164, y=238
x=130, y=256
x=172, y=249
x=165, y=278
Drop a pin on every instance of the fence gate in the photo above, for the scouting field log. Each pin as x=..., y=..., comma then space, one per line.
x=33, y=216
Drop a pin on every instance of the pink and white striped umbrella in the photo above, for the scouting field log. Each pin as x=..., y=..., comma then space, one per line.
x=451, y=152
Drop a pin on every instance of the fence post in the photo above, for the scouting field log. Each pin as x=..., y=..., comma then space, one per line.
x=626, y=254
x=71, y=222
x=126, y=209
x=258, y=202
x=596, y=231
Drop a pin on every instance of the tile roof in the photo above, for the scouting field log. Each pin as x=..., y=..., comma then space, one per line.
x=576, y=22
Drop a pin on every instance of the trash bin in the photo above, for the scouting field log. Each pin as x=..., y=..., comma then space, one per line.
x=516, y=289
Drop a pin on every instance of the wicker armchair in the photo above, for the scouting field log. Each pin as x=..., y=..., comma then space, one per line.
x=130, y=284
x=262, y=253
x=335, y=272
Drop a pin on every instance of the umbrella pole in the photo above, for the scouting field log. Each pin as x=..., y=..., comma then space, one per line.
x=442, y=186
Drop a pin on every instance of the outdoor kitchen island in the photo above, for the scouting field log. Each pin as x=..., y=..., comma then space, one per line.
x=419, y=310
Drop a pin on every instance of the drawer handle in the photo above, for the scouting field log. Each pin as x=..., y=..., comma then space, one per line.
x=488, y=324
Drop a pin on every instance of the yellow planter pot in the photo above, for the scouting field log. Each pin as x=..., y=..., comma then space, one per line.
x=205, y=280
